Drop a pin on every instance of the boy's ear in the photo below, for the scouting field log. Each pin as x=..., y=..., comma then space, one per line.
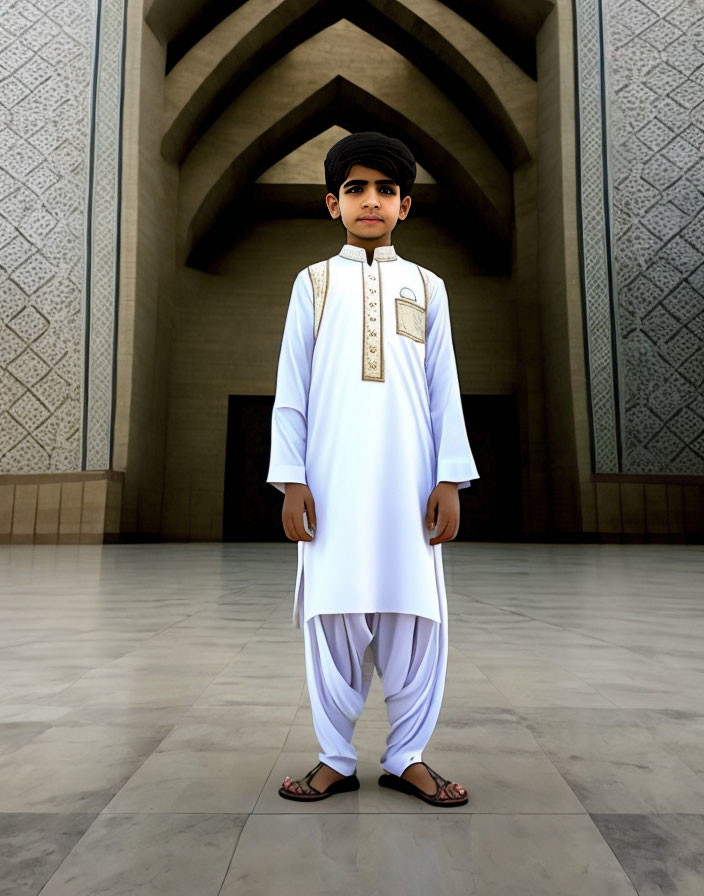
x=333, y=205
x=404, y=208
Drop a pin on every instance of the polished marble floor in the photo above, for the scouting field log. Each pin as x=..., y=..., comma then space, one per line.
x=152, y=698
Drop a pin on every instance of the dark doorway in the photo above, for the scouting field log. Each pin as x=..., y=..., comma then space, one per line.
x=252, y=510
x=490, y=508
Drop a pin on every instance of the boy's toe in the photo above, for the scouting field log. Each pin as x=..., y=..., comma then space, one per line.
x=290, y=785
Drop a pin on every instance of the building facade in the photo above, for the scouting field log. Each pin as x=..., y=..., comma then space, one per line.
x=161, y=185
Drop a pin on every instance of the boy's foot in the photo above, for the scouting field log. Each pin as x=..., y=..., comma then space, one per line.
x=321, y=780
x=421, y=781
x=419, y=775
x=319, y=783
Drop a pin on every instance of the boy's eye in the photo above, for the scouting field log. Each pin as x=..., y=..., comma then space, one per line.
x=387, y=188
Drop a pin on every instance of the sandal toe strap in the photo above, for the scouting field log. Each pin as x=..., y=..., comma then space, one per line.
x=304, y=783
x=442, y=784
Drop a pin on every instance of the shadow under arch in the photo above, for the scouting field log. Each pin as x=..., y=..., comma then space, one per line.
x=391, y=22
x=510, y=25
x=340, y=102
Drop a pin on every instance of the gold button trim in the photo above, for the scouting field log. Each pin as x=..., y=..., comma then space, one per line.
x=372, y=338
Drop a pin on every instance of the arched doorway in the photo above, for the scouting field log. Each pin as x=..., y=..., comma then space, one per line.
x=232, y=188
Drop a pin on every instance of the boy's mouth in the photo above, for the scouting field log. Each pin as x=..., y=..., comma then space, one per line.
x=370, y=220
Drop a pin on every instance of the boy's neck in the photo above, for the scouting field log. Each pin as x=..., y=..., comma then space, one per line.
x=369, y=245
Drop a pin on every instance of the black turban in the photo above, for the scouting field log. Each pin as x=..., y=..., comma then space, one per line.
x=373, y=150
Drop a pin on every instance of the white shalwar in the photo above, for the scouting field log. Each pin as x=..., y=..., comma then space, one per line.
x=368, y=414
x=410, y=656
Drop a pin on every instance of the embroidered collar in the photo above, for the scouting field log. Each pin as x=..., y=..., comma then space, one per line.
x=357, y=253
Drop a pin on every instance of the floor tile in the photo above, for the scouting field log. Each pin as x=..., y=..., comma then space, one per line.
x=33, y=845
x=416, y=855
x=152, y=698
x=162, y=855
x=660, y=853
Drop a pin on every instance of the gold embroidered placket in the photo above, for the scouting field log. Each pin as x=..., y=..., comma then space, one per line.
x=373, y=308
x=319, y=274
x=373, y=336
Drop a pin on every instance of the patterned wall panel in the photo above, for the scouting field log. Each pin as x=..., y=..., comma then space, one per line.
x=655, y=116
x=104, y=212
x=61, y=69
x=60, y=73
x=652, y=185
x=603, y=373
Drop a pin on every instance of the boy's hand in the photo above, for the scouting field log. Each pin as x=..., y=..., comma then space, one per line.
x=298, y=497
x=443, y=509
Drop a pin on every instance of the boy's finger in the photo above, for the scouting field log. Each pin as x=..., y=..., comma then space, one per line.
x=296, y=529
x=443, y=531
x=450, y=527
x=430, y=516
x=311, y=515
x=437, y=538
x=306, y=524
x=301, y=533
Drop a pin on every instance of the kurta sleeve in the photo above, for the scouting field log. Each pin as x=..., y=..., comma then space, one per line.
x=289, y=427
x=455, y=462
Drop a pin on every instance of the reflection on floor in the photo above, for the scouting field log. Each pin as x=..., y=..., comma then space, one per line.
x=152, y=698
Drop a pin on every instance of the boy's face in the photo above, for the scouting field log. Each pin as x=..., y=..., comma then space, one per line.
x=369, y=204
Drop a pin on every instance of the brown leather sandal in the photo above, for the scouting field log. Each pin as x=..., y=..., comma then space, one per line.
x=310, y=794
x=404, y=786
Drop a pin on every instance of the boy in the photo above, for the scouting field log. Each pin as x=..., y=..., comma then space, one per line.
x=369, y=447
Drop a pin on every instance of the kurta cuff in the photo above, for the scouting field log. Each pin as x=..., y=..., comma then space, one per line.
x=458, y=471
x=280, y=474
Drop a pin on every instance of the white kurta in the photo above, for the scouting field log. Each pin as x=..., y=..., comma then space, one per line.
x=368, y=414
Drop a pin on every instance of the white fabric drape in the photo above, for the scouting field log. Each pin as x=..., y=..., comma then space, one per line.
x=410, y=656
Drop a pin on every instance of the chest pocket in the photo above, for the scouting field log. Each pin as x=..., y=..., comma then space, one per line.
x=410, y=315
x=410, y=319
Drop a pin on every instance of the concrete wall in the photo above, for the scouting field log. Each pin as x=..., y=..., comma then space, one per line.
x=60, y=508
x=496, y=135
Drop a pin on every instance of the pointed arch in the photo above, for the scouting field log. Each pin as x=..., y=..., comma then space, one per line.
x=308, y=68
x=511, y=26
x=277, y=31
x=346, y=104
